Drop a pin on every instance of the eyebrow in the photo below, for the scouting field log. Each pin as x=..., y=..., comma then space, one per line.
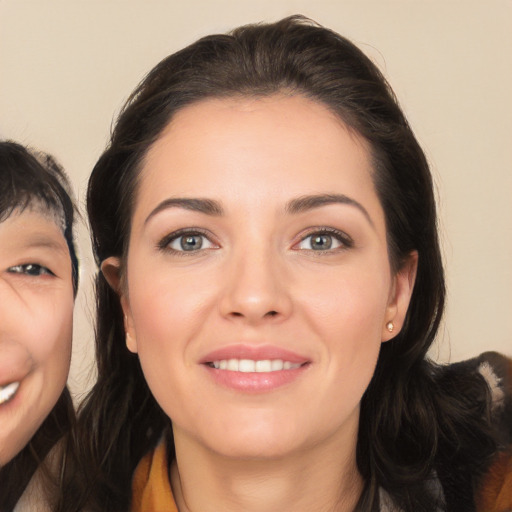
x=295, y=206
x=206, y=206
x=305, y=203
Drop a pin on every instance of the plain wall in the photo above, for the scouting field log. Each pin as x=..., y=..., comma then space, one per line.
x=67, y=66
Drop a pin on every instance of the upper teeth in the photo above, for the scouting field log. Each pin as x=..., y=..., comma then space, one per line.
x=250, y=366
x=8, y=391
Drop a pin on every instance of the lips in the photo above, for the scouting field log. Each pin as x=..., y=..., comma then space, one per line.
x=254, y=353
x=254, y=369
x=251, y=366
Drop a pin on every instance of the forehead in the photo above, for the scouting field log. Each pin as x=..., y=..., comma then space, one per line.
x=219, y=142
x=33, y=227
x=257, y=119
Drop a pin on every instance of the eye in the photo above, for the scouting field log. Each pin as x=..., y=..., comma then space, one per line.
x=30, y=269
x=186, y=241
x=325, y=240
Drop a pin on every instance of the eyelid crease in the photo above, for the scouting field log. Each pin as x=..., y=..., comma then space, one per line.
x=341, y=236
x=163, y=244
x=24, y=270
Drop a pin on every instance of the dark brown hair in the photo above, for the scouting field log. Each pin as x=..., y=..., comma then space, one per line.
x=402, y=425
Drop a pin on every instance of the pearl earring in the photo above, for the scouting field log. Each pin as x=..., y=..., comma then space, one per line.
x=390, y=326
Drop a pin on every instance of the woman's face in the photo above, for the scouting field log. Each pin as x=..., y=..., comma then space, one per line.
x=36, y=312
x=258, y=285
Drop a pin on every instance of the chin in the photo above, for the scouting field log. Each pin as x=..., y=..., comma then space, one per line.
x=257, y=440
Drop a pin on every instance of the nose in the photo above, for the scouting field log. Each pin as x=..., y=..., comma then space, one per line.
x=256, y=289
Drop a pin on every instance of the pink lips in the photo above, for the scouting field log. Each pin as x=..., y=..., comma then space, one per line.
x=254, y=382
x=256, y=353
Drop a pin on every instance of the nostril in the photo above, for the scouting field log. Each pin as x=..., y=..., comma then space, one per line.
x=266, y=315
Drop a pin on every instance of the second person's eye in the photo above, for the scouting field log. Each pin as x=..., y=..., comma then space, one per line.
x=30, y=269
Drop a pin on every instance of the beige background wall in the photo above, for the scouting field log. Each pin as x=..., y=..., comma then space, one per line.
x=66, y=66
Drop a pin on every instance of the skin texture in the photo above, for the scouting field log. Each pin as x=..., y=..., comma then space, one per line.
x=36, y=319
x=258, y=282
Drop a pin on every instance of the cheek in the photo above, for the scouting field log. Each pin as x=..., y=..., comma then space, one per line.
x=53, y=355
x=47, y=338
x=347, y=313
x=349, y=303
x=165, y=310
x=167, y=313
x=168, y=301
x=52, y=333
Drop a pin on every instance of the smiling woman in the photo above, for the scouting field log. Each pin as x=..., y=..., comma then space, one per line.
x=38, y=280
x=270, y=283
x=263, y=273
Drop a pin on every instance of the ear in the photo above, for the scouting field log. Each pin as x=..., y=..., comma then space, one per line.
x=111, y=270
x=400, y=296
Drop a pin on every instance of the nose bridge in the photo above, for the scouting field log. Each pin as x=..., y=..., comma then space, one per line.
x=255, y=284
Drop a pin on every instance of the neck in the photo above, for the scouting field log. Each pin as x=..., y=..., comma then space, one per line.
x=322, y=479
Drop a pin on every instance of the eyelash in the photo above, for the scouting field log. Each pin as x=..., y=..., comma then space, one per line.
x=166, y=242
x=344, y=240
x=26, y=268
